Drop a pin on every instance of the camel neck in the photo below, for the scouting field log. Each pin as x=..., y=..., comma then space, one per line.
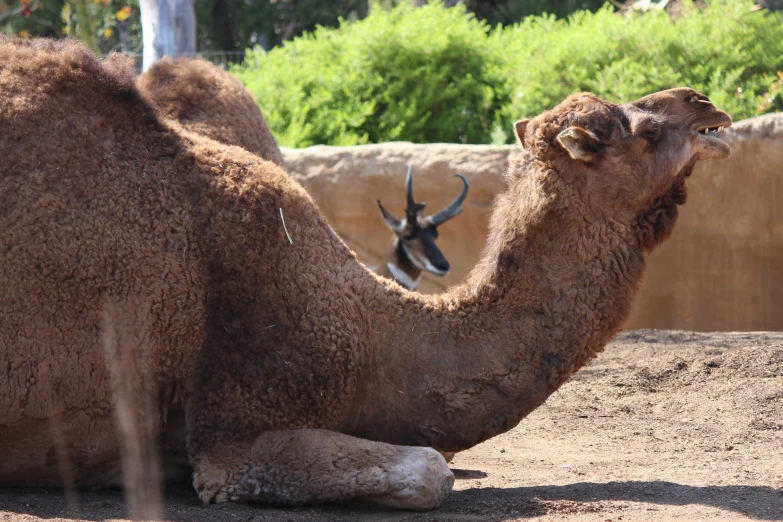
x=551, y=291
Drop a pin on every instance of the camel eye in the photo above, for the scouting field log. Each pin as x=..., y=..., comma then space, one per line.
x=652, y=134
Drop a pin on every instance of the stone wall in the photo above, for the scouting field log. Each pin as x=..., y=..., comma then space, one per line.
x=722, y=269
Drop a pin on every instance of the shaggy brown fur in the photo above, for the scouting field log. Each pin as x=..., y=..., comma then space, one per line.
x=207, y=278
x=206, y=99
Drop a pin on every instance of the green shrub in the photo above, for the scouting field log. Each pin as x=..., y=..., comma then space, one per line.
x=722, y=50
x=422, y=75
x=434, y=74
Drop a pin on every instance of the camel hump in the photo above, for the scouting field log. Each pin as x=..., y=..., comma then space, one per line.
x=62, y=84
x=207, y=100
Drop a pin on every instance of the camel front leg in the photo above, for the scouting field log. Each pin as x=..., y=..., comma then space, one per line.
x=296, y=467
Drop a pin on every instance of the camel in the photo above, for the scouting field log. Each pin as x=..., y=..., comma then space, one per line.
x=414, y=249
x=205, y=99
x=159, y=283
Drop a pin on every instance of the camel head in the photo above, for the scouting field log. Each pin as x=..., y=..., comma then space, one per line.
x=629, y=162
x=416, y=234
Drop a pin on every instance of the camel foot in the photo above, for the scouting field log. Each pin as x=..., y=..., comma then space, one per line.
x=296, y=467
x=420, y=480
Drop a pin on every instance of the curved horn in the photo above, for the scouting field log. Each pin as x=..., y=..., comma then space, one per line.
x=412, y=208
x=392, y=222
x=454, y=209
x=409, y=188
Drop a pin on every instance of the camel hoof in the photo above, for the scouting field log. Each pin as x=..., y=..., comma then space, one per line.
x=420, y=480
x=207, y=493
x=209, y=484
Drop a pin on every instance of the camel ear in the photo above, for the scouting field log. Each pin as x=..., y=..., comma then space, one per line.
x=519, y=131
x=580, y=143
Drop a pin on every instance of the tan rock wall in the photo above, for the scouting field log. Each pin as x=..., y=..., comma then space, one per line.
x=722, y=269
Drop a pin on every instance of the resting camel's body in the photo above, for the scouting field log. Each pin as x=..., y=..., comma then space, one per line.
x=147, y=281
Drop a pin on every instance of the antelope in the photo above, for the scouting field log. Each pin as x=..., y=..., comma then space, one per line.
x=414, y=249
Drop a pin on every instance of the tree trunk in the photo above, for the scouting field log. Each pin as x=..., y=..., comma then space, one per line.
x=168, y=29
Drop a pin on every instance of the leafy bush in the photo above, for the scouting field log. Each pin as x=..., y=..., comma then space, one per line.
x=434, y=74
x=415, y=74
x=722, y=50
x=104, y=25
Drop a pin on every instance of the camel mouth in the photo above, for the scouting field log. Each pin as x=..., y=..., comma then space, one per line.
x=710, y=131
x=710, y=146
x=709, y=140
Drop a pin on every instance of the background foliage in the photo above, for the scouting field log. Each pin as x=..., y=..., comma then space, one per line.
x=105, y=25
x=234, y=25
x=419, y=74
x=239, y=24
x=724, y=50
x=231, y=25
x=436, y=74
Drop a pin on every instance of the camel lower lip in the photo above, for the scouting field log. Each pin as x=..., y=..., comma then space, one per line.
x=709, y=146
x=715, y=140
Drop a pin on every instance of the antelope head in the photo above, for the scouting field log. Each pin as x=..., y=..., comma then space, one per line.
x=416, y=234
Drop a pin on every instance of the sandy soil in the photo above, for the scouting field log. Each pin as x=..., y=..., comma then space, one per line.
x=661, y=426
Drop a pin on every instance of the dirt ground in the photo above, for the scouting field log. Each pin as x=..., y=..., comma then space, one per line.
x=661, y=426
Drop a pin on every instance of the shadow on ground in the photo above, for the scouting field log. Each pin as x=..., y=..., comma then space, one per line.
x=462, y=474
x=758, y=502
x=484, y=504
